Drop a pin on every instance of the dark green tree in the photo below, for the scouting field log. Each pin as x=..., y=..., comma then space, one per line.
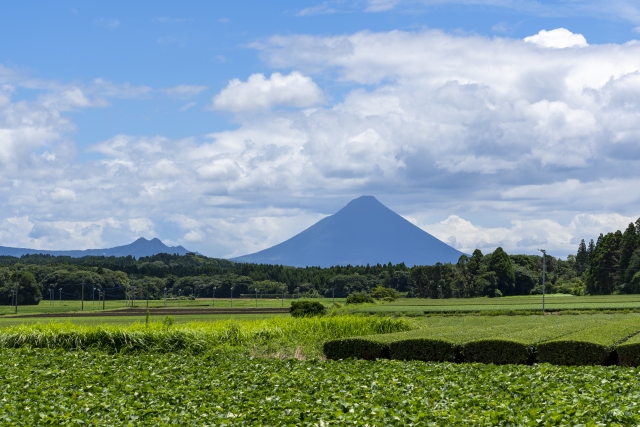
x=582, y=259
x=628, y=244
x=500, y=264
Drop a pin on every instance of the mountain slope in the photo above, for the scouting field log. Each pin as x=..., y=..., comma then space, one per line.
x=363, y=232
x=139, y=248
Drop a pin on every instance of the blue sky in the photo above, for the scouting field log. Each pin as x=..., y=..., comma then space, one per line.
x=229, y=127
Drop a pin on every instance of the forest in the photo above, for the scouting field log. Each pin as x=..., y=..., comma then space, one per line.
x=611, y=265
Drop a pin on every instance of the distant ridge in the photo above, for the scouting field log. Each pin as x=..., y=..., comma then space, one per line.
x=363, y=232
x=139, y=248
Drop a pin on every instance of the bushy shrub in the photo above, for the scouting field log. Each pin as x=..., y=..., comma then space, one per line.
x=499, y=352
x=307, y=309
x=386, y=294
x=359, y=298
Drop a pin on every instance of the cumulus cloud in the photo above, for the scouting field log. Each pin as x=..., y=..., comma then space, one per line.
x=526, y=236
x=260, y=93
x=559, y=38
x=512, y=143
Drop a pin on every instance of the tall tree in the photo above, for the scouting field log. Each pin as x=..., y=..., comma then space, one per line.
x=627, y=246
x=591, y=249
x=500, y=263
x=603, y=270
x=582, y=258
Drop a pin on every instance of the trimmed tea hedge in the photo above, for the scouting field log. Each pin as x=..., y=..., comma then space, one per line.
x=629, y=352
x=593, y=346
x=574, y=340
x=499, y=352
x=366, y=348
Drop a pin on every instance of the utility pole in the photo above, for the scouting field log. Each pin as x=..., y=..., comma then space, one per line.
x=17, y=286
x=82, y=309
x=283, y=296
x=165, y=296
x=104, y=297
x=544, y=271
x=146, y=285
x=231, y=296
x=213, y=300
x=256, y=297
x=60, y=295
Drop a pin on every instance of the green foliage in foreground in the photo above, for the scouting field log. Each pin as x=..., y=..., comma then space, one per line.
x=42, y=387
x=280, y=336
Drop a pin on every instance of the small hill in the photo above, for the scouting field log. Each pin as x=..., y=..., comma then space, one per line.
x=139, y=248
x=363, y=232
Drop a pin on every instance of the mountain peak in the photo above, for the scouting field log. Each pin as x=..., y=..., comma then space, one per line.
x=363, y=232
x=139, y=248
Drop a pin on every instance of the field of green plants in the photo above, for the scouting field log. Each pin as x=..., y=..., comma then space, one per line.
x=45, y=387
x=272, y=372
x=562, y=340
x=402, y=306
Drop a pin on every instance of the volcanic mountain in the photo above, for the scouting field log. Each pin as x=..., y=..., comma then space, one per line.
x=139, y=248
x=363, y=232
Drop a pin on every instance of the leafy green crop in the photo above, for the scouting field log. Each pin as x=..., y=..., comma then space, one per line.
x=45, y=387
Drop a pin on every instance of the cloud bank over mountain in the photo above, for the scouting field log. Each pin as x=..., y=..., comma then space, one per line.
x=481, y=141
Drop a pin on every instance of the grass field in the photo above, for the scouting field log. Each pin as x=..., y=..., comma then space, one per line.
x=410, y=306
x=529, y=303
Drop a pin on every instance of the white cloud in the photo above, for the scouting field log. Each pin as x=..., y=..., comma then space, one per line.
x=636, y=29
x=259, y=93
x=141, y=225
x=526, y=236
x=184, y=91
x=559, y=38
x=512, y=143
x=63, y=195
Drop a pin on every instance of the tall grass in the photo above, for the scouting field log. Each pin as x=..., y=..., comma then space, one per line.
x=276, y=336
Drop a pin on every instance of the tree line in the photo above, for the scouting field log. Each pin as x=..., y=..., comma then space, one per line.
x=609, y=265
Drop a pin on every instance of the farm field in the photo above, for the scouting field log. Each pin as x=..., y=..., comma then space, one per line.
x=401, y=306
x=44, y=387
x=528, y=303
x=67, y=306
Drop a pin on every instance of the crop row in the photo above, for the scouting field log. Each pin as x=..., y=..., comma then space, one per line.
x=571, y=340
x=45, y=387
